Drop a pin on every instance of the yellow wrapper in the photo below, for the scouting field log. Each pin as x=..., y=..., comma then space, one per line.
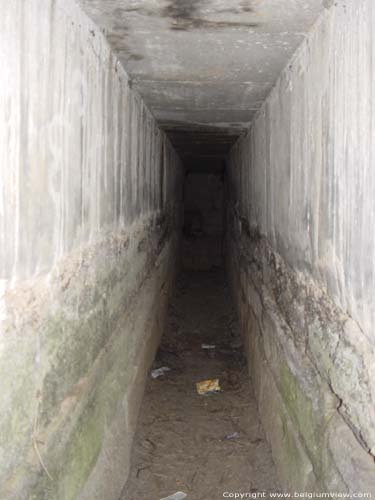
x=206, y=386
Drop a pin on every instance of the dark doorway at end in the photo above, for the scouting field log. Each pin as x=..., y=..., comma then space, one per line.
x=203, y=227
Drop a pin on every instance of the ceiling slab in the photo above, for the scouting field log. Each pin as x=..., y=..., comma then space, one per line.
x=204, y=63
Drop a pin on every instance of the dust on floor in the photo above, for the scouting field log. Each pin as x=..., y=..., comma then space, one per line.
x=201, y=445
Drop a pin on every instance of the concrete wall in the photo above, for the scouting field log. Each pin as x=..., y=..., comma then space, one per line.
x=89, y=215
x=202, y=246
x=302, y=255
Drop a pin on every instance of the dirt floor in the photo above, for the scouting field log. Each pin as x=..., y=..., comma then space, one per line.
x=200, y=445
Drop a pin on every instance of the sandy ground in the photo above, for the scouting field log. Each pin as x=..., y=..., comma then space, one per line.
x=182, y=438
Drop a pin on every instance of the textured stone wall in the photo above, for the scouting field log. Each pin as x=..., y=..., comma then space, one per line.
x=302, y=254
x=89, y=219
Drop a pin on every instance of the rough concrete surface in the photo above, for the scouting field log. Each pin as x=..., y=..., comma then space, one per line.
x=89, y=218
x=248, y=43
x=313, y=382
x=204, y=63
x=304, y=173
x=303, y=251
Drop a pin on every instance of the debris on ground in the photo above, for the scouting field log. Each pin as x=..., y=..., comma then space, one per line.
x=208, y=346
x=179, y=443
x=179, y=495
x=234, y=435
x=208, y=386
x=160, y=371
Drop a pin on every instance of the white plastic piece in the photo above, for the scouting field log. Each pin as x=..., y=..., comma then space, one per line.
x=179, y=495
x=160, y=371
x=208, y=346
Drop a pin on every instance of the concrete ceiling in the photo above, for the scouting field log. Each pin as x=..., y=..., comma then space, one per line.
x=204, y=66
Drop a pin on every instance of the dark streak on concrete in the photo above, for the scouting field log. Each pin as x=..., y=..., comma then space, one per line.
x=195, y=23
x=181, y=9
x=135, y=57
x=184, y=16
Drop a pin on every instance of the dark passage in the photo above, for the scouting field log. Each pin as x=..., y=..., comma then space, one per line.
x=200, y=445
x=203, y=220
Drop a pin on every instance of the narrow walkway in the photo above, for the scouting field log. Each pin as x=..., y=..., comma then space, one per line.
x=182, y=438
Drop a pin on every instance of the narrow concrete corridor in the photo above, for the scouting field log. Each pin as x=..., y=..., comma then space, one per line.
x=176, y=173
